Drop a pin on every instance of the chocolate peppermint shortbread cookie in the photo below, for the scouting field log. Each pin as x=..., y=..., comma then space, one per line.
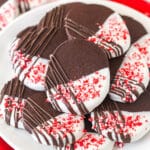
x=78, y=77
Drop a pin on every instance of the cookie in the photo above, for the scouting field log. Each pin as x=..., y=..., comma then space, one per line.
x=37, y=110
x=55, y=17
x=90, y=141
x=29, y=59
x=59, y=131
x=13, y=96
x=78, y=77
x=123, y=122
x=110, y=33
x=131, y=78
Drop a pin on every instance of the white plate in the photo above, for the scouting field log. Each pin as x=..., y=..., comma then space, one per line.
x=19, y=139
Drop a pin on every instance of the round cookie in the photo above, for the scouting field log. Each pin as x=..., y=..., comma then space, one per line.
x=131, y=79
x=136, y=31
x=22, y=106
x=78, y=77
x=90, y=141
x=123, y=122
x=13, y=96
x=111, y=34
x=29, y=59
x=37, y=110
x=59, y=131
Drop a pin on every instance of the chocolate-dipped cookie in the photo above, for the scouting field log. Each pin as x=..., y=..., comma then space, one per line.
x=111, y=34
x=123, y=122
x=2, y=2
x=78, y=77
x=13, y=96
x=37, y=110
x=23, y=107
x=30, y=53
x=132, y=77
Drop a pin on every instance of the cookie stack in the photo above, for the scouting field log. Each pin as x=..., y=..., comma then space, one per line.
x=82, y=79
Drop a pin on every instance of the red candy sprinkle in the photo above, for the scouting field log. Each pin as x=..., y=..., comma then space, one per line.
x=89, y=140
x=114, y=123
x=83, y=89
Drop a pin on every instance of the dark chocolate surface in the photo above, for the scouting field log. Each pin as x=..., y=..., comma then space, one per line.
x=88, y=16
x=114, y=65
x=26, y=30
x=37, y=110
x=2, y=2
x=15, y=88
x=41, y=42
x=135, y=28
x=56, y=16
x=78, y=58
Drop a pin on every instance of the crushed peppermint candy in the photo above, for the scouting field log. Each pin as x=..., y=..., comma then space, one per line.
x=121, y=125
x=113, y=30
x=88, y=87
x=143, y=45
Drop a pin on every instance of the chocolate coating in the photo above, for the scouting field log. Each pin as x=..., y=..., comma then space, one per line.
x=41, y=42
x=88, y=124
x=26, y=30
x=37, y=110
x=2, y=2
x=79, y=58
x=114, y=65
x=135, y=28
x=56, y=16
x=88, y=16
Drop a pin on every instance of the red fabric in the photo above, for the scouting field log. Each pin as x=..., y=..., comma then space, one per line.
x=4, y=146
x=141, y=5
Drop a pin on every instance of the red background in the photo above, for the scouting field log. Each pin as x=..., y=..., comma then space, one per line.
x=141, y=5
